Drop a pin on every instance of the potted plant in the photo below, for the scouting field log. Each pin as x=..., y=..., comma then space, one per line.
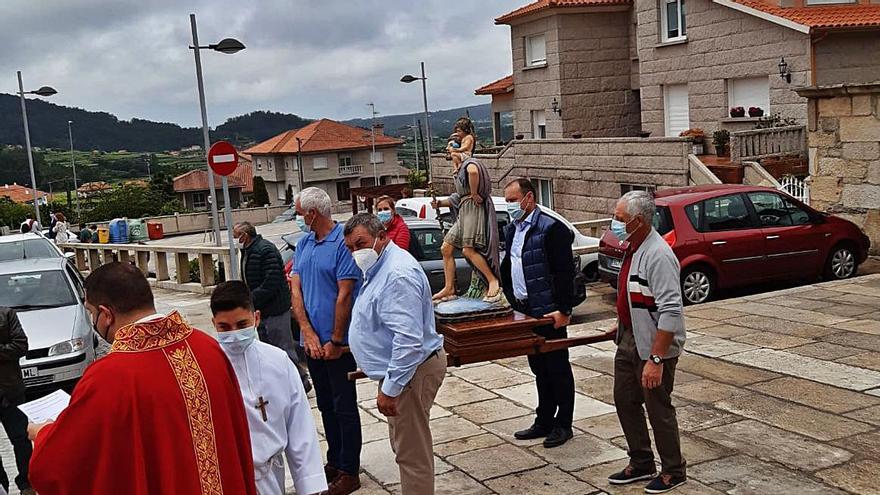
x=737, y=112
x=696, y=135
x=756, y=112
x=721, y=140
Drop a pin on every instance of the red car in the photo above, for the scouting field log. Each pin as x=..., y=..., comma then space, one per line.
x=731, y=235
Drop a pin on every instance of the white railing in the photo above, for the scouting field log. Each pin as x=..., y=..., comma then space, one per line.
x=351, y=169
x=797, y=188
x=152, y=260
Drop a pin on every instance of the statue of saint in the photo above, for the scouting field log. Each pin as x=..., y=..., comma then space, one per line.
x=475, y=228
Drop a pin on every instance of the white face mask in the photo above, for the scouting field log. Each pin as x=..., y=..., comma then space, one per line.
x=237, y=341
x=366, y=258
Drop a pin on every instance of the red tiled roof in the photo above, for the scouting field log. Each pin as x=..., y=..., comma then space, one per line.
x=197, y=180
x=94, y=187
x=19, y=194
x=501, y=86
x=245, y=172
x=323, y=135
x=540, y=5
x=823, y=16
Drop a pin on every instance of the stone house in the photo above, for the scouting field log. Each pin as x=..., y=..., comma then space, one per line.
x=592, y=78
x=335, y=157
x=609, y=68
x=193, y=192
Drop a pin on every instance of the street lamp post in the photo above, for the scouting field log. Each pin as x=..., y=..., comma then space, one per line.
x=227, y=46
x=73, y=165
x=43, y=91
x=373, y=140
x=408, y=79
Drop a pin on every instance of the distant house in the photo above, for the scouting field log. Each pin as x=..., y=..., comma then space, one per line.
x=335, y=157
x=192, y=189
x=22, y=194
x=91, y=188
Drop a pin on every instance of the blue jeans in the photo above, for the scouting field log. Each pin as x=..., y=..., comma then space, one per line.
x=337, y=401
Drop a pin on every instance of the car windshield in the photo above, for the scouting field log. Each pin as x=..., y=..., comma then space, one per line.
x=27, y=249
x=35, y=290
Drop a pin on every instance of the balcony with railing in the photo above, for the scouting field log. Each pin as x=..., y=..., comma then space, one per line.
x=351, y=169
x=766, y=143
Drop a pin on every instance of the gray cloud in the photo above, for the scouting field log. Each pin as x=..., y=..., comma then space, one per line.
x=316, y=58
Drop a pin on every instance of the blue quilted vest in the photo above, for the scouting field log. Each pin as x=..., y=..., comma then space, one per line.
x=536, y=269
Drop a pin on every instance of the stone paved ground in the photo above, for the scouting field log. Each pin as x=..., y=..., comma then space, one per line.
x=777, y=393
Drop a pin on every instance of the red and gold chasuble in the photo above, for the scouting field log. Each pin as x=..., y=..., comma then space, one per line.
x=161, y=414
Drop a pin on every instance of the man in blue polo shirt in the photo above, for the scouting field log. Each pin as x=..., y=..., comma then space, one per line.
x=324, y=284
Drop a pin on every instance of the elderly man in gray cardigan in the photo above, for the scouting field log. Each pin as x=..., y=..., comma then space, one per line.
x=650, y=337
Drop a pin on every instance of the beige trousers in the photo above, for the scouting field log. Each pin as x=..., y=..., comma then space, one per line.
x=410, y=432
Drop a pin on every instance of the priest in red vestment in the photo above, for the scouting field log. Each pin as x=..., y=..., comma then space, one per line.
x=161, y=414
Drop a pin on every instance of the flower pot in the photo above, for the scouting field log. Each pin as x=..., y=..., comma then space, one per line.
x=519, y=136
x=756, y=112
x=577, y=135
x=736, y=113
x=644, y=134
x=722, y=150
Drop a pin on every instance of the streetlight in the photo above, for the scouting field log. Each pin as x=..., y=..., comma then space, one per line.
x=373, y=140
x=227, y=46
x=43, y=91
x=73, y=164
x=408, y=79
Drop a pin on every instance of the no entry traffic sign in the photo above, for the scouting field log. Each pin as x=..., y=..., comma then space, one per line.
x=223, y=158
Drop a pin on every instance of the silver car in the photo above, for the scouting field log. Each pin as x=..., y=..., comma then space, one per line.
x=49, y=298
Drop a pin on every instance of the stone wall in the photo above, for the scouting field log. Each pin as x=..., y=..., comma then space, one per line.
x=722, y=44
x=849, y=58
x=586, y=174
x=844, y=142
x=535, y=87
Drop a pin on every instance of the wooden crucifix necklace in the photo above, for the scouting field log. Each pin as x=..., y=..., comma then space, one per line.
x=261, y=403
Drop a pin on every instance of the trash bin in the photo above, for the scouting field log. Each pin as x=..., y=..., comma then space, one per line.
x=137, y=231
x=119, y=231
x=103, y=235
x=155, y=230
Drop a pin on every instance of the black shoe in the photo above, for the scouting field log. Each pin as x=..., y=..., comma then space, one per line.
x=631, y=475
x=557, y=437
x=534, y=431
x=664, y=483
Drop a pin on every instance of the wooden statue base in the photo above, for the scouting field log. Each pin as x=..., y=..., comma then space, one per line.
x=488, y=339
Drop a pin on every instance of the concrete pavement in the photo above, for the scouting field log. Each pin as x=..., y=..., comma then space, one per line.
x=777, y=393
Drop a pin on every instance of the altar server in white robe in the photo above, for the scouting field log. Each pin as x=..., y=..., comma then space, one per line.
x=280, y=421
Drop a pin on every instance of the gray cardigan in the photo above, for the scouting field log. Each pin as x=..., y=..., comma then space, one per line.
x=654, y=294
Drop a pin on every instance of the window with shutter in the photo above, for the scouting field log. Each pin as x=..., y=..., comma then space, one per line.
x=675, y=109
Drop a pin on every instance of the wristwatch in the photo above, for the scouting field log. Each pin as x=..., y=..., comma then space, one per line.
x=337, y=343
x=656, y=359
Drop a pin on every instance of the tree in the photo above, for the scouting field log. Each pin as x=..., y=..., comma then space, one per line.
x=288, y=195
x=12, y=213
x=261, y=195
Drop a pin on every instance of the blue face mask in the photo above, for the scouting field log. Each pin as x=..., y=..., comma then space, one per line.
x=384, y=216
x=301, y=223
x=515, y=210
x=618, y=228
x=237, y=341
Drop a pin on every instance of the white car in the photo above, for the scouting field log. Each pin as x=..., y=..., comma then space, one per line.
x=48, y=296
x=421, y=208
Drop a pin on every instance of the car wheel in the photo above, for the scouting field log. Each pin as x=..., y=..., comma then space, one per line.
x=591, y=272
x=697, y=285
x=841, y=263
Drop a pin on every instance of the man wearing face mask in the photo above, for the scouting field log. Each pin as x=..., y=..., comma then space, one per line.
x=650, y=337
x=395, y=342
x=275, y=401
x=537, y=274
x=160, y=414
x=324, y=284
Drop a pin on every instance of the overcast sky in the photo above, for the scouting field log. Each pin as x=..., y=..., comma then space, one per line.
x=315, y=58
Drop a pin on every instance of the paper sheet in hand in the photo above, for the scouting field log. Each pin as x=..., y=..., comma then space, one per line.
x=46, y=408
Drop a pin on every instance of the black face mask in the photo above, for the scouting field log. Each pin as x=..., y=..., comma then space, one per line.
x=95, y=328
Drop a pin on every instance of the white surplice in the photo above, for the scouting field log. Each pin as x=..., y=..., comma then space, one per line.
x=289, y=430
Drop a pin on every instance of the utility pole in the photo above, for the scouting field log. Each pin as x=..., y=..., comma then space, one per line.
x=373, y=139
x=299, y=164
x=73, y=165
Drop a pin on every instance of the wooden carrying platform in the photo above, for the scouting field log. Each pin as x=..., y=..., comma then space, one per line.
x=488, y=339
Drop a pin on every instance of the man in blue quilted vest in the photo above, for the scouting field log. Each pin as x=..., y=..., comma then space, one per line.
x=537, y=275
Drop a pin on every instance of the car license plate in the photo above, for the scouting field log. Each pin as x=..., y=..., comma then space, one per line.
x=30, y=372
x=614, y=263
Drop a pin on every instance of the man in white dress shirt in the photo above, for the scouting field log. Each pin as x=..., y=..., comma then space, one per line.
x=279, y=418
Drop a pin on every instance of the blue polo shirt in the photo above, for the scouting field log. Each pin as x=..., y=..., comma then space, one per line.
x=320, y=266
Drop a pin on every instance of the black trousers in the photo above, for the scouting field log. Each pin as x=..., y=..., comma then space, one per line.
x=337, y=401
x=555, y=382
x=15, y=423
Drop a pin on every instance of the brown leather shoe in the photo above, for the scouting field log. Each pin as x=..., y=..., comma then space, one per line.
x=344, y=484
x=331, y=473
